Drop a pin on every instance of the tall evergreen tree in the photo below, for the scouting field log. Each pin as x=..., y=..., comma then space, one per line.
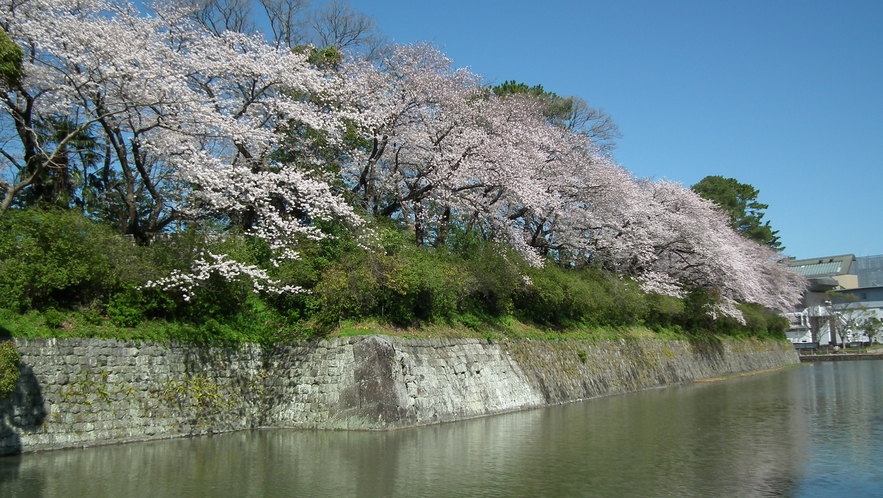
x=739, y=202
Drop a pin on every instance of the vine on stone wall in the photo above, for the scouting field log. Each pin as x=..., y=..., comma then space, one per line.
x=198, y=394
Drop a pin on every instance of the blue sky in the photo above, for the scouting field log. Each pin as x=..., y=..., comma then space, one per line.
x=785, y=95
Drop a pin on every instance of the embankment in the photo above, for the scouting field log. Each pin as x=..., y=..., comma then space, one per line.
x=78, y=392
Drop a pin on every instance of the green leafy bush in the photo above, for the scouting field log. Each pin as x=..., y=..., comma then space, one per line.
x=126, y=309
x=564, y=297
x=492, y=279
x=53, y=318
x=53, y=258
x=409, y=285
x=663, y=312
x=759, y=322
x=366, y=284
x=9, y=367
x=76, y=275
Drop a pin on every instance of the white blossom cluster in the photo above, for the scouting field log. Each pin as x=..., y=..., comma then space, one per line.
x=219, y=264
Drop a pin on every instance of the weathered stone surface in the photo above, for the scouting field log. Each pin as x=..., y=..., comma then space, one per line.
x=77, y=392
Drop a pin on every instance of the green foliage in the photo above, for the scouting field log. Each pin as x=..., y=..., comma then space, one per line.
x=664, y=312
x=53, y=318
x=91, y=316
x=9, y=368
x=699, y=310
x=512, y=87
x=872, y=326
x=759, y=323
x=565, y=297
x=63, y=275
x=323, y=58
x=126, y=309
x=366, y=284
x=66, y=180
x=739, y=202
x=53, y=258
x=11, y=56
x=86, y=279
x=556, y=109
x=491, y=281
x=408, y=285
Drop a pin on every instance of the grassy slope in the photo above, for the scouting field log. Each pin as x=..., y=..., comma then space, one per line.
x=34, y=325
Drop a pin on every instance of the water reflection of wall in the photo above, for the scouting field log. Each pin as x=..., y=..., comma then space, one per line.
x=845, y=409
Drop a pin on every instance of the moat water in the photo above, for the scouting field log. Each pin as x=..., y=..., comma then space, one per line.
x=809, y=431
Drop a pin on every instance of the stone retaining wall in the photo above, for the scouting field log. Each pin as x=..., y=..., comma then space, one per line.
x=807, y=358
x=77, y=392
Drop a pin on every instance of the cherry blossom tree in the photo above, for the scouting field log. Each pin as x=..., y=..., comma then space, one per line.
x=572, y=113
x=32, y=98
x=250, y=94
x=189, y=119
x=695, y=248
x=100, y=69
x=441, y=147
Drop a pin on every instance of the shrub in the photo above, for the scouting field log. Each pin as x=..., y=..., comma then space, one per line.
x=759, y=322
x=53, y=258
x=58, y=262
x=53, y=318
x=564, y=297
x=92, y=316
x=10, y=360
x=366, y=284
x=414, y=284
x=663, y=312
x=492, y=279
x=126, y=309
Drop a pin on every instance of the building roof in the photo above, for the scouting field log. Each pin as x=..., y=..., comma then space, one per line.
x=828, y=266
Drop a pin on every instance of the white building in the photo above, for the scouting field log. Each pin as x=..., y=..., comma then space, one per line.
x=834, y=305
